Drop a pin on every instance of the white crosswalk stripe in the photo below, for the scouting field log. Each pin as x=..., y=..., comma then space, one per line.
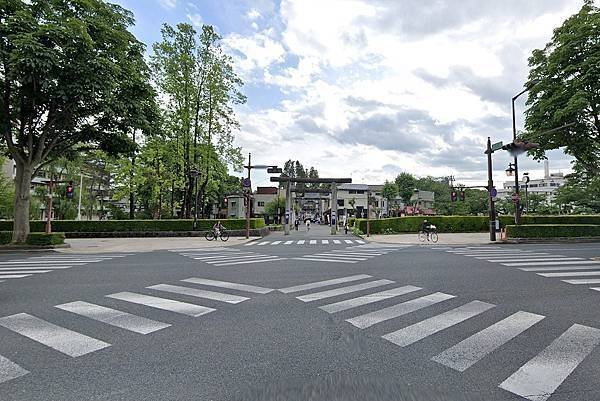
x=325, y=241
x=113, y=317
x=555, y=268
x=63, y=340
x=50, y=268
x=471, y=350
x=583, y=281
x=11, y=276
x=540, y=377
x=325, y=283
x=353, y=254
x=309, y=242
x=427, y=327
x=300, y=242
x=23, y=271
x=337, y=241
x=163, y=303
x=194, y=292
x=258, y=260
x=239, y=258
x=313, y=241
x=275, y=242
x=315, y=259
x=571, y=274
x=288, y=242
x=231, y=257
x=394, y=311
x=577, y=262
x=10, y=370
x=544, y=259
x=343, y=290
x=229, y=285
x=368, y=299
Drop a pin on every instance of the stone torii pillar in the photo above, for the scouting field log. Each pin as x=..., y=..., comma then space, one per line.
x=334, y=209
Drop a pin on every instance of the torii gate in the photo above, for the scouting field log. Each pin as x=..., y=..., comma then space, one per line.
x=288, y=200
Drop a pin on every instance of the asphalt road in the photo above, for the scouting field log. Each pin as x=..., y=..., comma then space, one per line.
x=397, y=323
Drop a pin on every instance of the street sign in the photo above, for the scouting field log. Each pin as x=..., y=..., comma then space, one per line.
x=496, y=146
x=246, y=182
x=493, y=192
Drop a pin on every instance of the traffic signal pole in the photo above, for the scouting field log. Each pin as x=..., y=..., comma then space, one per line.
x=490, y=186
x=248, y=198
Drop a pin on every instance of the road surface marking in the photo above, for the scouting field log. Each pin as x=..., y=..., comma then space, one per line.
x=531, y=260
x=556, y=268
x=41, y=263
x=240, y=259
x=360, y=241
x=583, y=281
x=63, y=340
x=368, y=299
x=113, y=317
x=313, y=241
x=163, y=303
x=394, y=311
x=195, y=292
x=347, y=241
x=570, y=274
x=220, y=255
x=471, y=350
x=319, y=284
x=50, y=268
x=301, y=242
x=581, y=262
x=245, y=262
x=327, y=260
x=540, y=377
x=288, y=242
x=275, y=242
x=325, y=241
x=7, y=276
x=229, y=285
x=17, y=270
x=340, y=257
x=358, y=253
x=10, y=370
x=343, y=290
x=264, y=243
x=337, y=241
x=435, y=324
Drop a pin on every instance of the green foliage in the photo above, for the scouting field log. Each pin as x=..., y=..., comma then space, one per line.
x=91, y=226
x=272, y=207
x=45, y=239
x=389, y=191
x=406, y=184
x=580, y=194
x=5, y=237
x=567, y=72
x=553, y=231
x=7, y=194
x=295, y=169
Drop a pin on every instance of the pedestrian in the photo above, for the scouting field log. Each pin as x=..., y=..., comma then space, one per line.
x=307, y=224
x=297, y=223
x=345, y=228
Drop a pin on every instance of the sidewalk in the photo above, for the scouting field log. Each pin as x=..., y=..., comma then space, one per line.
x=98, y=245
x=444, y=239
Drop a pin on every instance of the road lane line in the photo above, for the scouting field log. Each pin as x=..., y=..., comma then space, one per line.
x=570, y=274
x=195, y=292
x=10, y=370
x=319, y=284
x=327, y=260
x=368, y=299
x=394, y=311
x=541, y=376
x=435, y=324
x=113, y=317
x=229, y=285
x=245, y=262
x=471, y=350
x=581, y=262
x=343, y=290
x=63, y=340
x=162, y=303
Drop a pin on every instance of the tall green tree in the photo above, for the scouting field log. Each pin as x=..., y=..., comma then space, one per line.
x=389, y=191
x=71, y=75
x=406, y=184
x=567, y=72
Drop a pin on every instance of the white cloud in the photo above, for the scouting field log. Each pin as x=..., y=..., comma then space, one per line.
x=168, y=4
x=195, y=19
x=253, y=14
x=255, y=52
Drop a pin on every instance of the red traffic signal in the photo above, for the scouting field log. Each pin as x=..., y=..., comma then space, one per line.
x=453, y=196
x=519, y=146
x=462, y=196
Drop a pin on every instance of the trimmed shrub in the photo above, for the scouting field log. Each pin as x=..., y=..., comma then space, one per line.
x=45, y=239
x=90, y=226
x=5, y=237
x=553, y=230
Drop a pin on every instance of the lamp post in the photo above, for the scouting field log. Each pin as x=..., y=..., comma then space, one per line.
x=528, y=86
x=368, y=213
x=526, y=180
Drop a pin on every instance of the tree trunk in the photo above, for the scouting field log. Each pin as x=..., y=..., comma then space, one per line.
x=22, y=198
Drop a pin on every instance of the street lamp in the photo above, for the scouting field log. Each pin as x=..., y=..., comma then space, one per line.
x=510, y=170
x=526, y=180
x=528, y=86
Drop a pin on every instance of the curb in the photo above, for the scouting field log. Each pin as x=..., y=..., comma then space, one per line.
x=6, y=248
x=557, y=240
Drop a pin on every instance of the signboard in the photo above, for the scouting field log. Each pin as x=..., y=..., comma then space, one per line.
x=493, y=192
x=496, y=146
x=246, y=182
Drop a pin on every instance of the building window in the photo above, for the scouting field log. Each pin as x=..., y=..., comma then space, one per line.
x=232, y=204
x=376, y=203
x=261, y=204
x=340, y=202
x=360, y=192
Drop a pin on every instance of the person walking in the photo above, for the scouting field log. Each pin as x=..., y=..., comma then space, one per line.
x=307, y=224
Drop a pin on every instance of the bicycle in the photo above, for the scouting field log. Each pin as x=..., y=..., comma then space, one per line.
x=429, y=235
x=212, y=235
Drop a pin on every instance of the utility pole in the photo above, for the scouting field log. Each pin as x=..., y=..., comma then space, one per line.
x=368, y=213
x=334, y=208
x=490, y=187
x=247, y=194
x=80, y=192
x=49, y=211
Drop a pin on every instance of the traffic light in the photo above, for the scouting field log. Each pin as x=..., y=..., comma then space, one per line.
x=519, y=146
x=225, y=201
x=274, y=170
x=453, y=196
x=70, y=190
x=462, y=196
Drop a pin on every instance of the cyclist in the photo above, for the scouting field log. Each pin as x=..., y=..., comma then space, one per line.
x=217, y=228
x=426, y=228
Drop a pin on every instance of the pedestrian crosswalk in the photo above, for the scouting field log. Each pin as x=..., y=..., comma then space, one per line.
x=78, y=344
x=544, y=264
x=20, y=268
x=351, y=255
x=222, y=257
x=307, y=242
x=539, y=375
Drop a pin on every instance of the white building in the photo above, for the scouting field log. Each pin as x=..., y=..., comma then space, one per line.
x=543, y=186
x=358, y=193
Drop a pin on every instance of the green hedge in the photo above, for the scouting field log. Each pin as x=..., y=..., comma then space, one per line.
x=88, y=226
x=463, y=224
x=45, y=239
x=553, y=230
x=5, y=237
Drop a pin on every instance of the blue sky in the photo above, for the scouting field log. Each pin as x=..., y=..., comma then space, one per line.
x=370, y=88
